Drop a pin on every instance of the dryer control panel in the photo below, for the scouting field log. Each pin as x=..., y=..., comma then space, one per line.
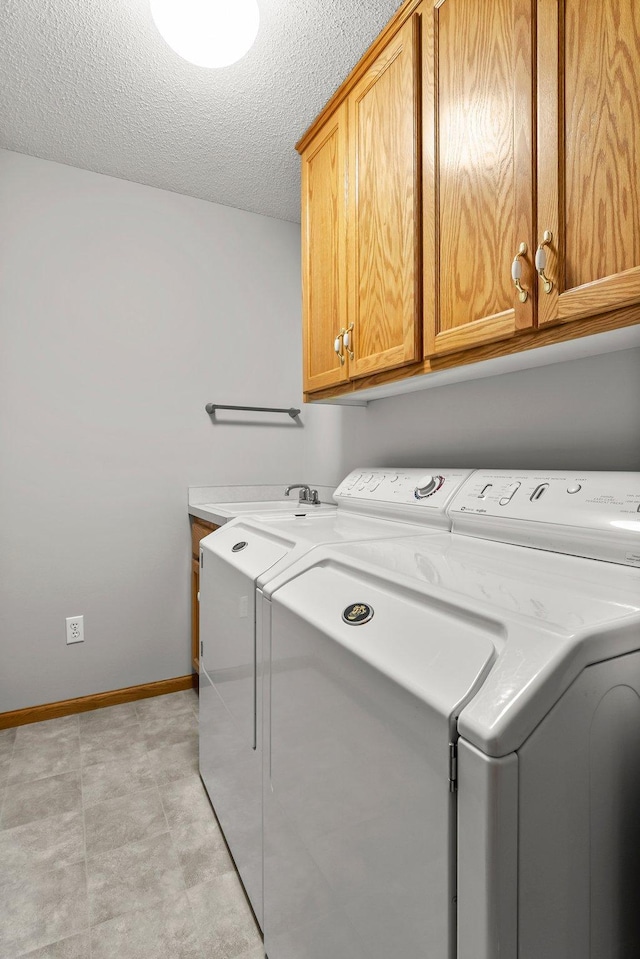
x=594, y=514
x=413, y=495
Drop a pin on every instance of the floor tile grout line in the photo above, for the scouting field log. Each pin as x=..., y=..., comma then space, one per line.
x=45, y=872
x=123, y=797
x=127, y=795
x=89, y=729
x=4, y=788
x=39, y=779
x=194, y=924
x=95, y=925
x=86, y=866
x=6, y=783
x=127, y=845
x=173, y=846
x=102, y=732
x=33, y=822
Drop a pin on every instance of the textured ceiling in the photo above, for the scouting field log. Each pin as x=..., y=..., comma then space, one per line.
x=92, y=84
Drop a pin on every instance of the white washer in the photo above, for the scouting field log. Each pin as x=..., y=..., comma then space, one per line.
x=236, y=559
x=459, y=775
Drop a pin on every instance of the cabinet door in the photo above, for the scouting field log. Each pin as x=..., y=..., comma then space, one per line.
x=324, y=275
x=589, y=155
x=384, y=208
x=195, y=631
x=478, y=164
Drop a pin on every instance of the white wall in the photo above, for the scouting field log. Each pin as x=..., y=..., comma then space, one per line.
x=583, y=414
x=123, y=310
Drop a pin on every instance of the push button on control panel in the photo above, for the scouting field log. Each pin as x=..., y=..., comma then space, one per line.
x=509, y=494
x=575, y=488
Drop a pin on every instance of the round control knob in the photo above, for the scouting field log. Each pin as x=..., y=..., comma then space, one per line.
x=427, y=486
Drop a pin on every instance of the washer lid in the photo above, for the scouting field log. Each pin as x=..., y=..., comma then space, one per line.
x=248, y=550
x=438, y=653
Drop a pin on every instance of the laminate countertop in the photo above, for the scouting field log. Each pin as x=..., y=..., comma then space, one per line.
x=219, y=504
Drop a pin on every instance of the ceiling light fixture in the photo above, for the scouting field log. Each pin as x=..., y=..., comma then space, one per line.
x=209, y=33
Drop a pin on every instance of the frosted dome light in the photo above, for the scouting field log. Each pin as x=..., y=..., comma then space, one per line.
x=209, y=33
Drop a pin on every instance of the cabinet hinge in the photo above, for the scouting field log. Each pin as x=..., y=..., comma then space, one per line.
x=453, y=767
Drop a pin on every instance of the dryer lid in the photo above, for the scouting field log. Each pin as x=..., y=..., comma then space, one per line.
x=549, y=616
x=437, y=653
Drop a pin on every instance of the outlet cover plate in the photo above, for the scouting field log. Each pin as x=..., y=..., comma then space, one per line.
x=75, y=629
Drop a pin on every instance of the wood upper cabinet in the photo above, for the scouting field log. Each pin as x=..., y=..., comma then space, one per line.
x=588, y=91
x=324, y=270
x=384, y=222
x=361, y=223
x=474, y=182
x=478, y=171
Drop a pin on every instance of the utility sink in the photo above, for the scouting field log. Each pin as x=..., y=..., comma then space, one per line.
x=221, y=513
x=269, y=506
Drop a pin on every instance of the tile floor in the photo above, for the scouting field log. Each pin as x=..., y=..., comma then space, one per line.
x=108, y=845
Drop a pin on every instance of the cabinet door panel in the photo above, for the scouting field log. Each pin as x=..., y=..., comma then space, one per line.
x=195, y=612
x=384, y=208
x=478, y=171
x=589, y=155
x=324, y=277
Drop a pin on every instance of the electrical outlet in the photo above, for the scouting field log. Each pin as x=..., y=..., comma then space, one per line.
x=75, y=629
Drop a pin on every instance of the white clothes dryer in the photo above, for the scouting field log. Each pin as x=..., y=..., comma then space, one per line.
x=456, y=770
x=240, y=557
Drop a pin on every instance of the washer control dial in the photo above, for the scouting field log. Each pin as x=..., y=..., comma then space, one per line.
x=427, y=486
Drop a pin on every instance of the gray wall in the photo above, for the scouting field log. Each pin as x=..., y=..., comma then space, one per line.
x=583, y=414
x=123, y=310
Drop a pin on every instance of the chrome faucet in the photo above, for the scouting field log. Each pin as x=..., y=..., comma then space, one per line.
x=306, y=495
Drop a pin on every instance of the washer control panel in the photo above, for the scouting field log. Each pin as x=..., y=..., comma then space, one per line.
x=408, y=494
x=587, y=514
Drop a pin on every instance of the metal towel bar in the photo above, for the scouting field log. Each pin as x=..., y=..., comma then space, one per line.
x=212, y=407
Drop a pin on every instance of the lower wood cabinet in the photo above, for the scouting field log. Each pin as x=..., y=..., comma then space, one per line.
x=199, y=529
